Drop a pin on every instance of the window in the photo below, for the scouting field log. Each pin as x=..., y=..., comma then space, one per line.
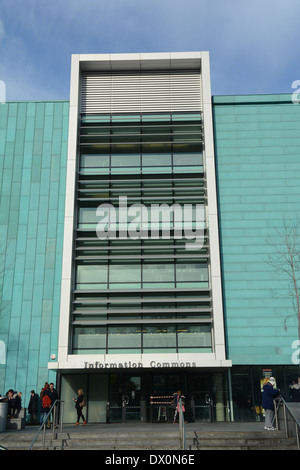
x=94, y=163
x=129, y=159
x=156, y=274
x=125, y=339
x=136, y=339
x=185, y=159
x=156, y=159
x=193, y=337
x=124, y=275
x=89, y=340
x=191, y=275
x=137, y=275
x=159, y=337
x=92, y=276
x=125, y=160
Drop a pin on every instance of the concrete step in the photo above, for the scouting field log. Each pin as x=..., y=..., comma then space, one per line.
x=124, y=441
x=89, y=438
x=264, y=440
x=99, y=441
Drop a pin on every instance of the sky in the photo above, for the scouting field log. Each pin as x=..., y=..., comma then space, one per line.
x=254, y=44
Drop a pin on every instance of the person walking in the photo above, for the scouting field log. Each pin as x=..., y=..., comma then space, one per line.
x=269, y=393
x=80, y=403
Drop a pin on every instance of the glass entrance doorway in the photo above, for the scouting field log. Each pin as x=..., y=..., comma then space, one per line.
x=125, y=398
x=95, y=390
x=135, y=396
x=202, y=400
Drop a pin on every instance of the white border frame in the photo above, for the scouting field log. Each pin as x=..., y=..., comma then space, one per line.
x=113, y=62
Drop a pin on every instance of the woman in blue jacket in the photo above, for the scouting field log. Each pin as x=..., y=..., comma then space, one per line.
x=269, y=393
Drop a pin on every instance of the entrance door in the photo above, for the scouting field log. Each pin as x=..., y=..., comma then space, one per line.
x=131, y=400
x=202, y=400
x=125, y=398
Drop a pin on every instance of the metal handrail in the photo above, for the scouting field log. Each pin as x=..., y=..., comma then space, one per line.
x=286, y=409
x=43, y=425
x=182, y=426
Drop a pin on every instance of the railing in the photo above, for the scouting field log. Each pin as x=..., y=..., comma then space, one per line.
x=182, y=426
x=43, y=425
x=284, y=414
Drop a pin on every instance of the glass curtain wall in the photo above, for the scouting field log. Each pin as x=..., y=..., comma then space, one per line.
x=148, y=292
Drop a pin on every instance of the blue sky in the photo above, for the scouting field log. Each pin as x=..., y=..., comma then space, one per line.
x=253, y=44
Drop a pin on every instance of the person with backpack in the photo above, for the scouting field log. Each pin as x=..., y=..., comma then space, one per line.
x=46, y=403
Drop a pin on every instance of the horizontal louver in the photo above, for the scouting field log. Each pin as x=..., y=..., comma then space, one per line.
x=140, y=92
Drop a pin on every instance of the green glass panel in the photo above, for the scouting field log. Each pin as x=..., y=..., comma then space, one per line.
x=194, y=336
x=159, y=336
x=158, y=272
x=89, y=337
x=154, y=160
x=124, y=160
x=91, y=274
x=124, y=273
x=124, y=337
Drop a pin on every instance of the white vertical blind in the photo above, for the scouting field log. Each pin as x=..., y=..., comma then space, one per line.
x=141, y=92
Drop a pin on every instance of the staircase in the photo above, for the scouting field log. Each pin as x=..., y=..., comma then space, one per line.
x=237, y=440
x=95, y=441
x=168, y=439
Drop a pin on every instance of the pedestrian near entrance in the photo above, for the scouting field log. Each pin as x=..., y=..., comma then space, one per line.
x=295, y=391
x=52, y=393
x=46, y=403
x=80, y=403
x=32, y=407
x=53, y=396
x=269, y=393
x=175, y=404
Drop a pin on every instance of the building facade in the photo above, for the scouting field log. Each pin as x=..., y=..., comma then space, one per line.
x=134, y=221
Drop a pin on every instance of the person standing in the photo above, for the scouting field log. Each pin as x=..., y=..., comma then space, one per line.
x=11, y=401
x=46, y=403
x=176, y=398
x=18, y=396
x=298, y=394
x=269, y=393
x=32, y=407
x=53, y=396
x=294, y=391
x=80, y=403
